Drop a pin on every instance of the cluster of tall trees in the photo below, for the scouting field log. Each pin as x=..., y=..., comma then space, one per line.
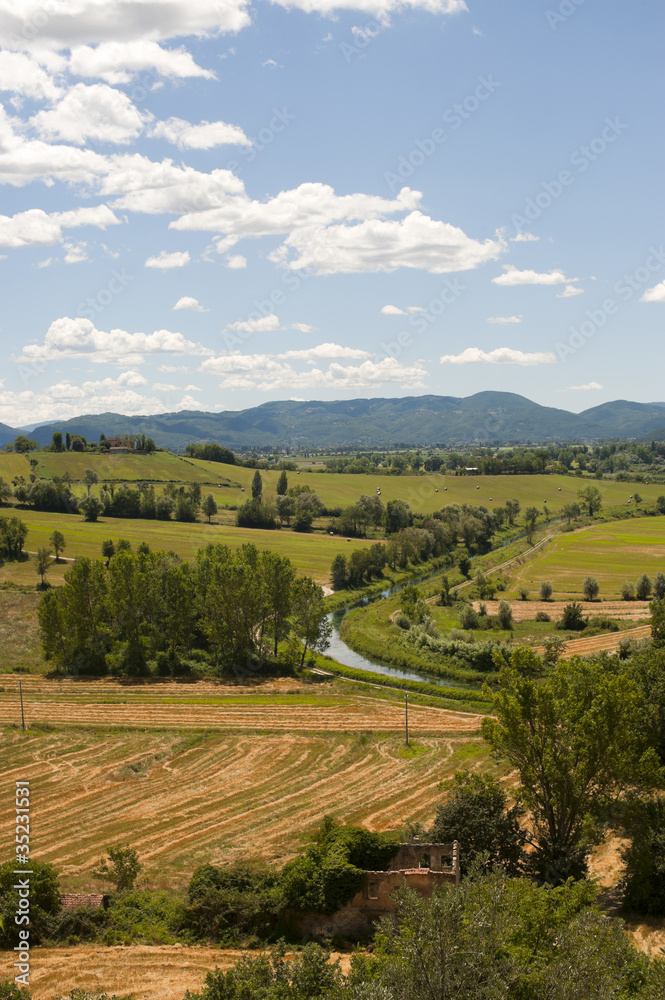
x=13, y=533
x=234, y=606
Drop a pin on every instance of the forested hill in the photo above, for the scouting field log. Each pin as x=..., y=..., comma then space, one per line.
x=491, y=417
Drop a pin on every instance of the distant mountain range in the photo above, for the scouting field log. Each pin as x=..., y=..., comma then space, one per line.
x=486, y=417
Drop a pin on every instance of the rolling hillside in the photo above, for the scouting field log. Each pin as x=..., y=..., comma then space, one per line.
x=486, y=417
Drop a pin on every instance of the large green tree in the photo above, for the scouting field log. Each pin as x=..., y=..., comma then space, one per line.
x=576, y=742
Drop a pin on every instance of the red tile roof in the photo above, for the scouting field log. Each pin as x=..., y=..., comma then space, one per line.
x=95, y=899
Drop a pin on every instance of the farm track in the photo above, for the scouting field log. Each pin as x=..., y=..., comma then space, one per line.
x=168, y=706
x=182, y=801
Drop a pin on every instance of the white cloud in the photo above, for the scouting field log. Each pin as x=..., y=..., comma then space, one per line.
x=331, y=351
x=270, y=63
x=384, y=245
x=165, y=260
x=75, y=252
x=64, y=400
x=263, y=324
x=78, y=338
x=190, y=303
x=525, y=238
x=236, y=262
x=302, y=327
x=264, y=373
x=95, y=111
x=655, y=294
x=22, y=74
x=499, y=356
x=379, y=8
x=584, y=388
x=393, y=311
x=569, y=291
x=165, y=387
x=117, y=62
x=513, y=276
x=504, y=320
x=89, y=22
x=206, y=135
x=35, y=228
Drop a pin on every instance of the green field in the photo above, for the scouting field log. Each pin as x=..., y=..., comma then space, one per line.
x=614, y=552
x=341, y=489
x=161, y=466
x=312, y=554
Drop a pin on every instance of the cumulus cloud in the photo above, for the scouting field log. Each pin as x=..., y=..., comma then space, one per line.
x=190, y=303
x=263, y=324
x=75, y=252
x=302, y=327
x=64, y=399
x=331, y=351
x=205, y=135
x=584, y=388
x=513, y=276
x=504, y=320
x=384, y=245
x=21, y=74
x=35, y=228
x=655, y=294
x=499, y=356
x=393, y=311
x=570, y=291
x=165, y=260
x=525, y=238
x=236, y=262
x=267, y=373
x=117, y=62
x=95, y=111
x=78, y=338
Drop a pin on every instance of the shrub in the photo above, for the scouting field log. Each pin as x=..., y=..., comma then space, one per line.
x=468, y=617
x=643, y=588
x=627, y=591
x=644, y=860
x=403, y=621
x=542, y=616
x=572, y=619
x=524, y=594
x=545, y=590
x=505, y=615
x=590, y=588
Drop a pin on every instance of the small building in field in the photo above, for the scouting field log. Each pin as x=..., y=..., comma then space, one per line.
x=95, y=900
x=419, y=866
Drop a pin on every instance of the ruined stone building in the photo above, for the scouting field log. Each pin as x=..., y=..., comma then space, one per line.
x=417, y=866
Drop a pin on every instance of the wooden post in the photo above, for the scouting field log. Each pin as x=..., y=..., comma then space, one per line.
x=20, y=688
x=406, y=716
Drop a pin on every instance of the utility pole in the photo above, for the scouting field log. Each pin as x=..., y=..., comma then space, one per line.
x=406, y=716
x=20, y=689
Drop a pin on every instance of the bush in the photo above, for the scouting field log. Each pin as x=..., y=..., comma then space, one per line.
x=228, y=903
x=545, y=590
x=572, y=619
x=627, y=591
x=505, y=615
x=524, y=594
x=468, y=617
x=643, y=588
x=542, y=616
x=590, y=588
x=644, y=860
x=403, y=621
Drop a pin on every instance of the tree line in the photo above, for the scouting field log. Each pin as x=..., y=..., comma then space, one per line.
x=141, y=612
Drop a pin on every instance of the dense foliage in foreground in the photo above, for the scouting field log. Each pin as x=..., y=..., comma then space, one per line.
x=493, y=938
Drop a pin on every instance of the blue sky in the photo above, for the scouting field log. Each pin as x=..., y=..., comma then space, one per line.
x=210, y=205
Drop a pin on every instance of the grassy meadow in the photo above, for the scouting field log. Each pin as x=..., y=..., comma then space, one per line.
x=613, y=553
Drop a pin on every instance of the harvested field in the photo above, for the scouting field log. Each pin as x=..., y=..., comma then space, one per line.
x=601, y=643
x=152, y=973
x=183, y=800
x=215, y=707
x=524, y=611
